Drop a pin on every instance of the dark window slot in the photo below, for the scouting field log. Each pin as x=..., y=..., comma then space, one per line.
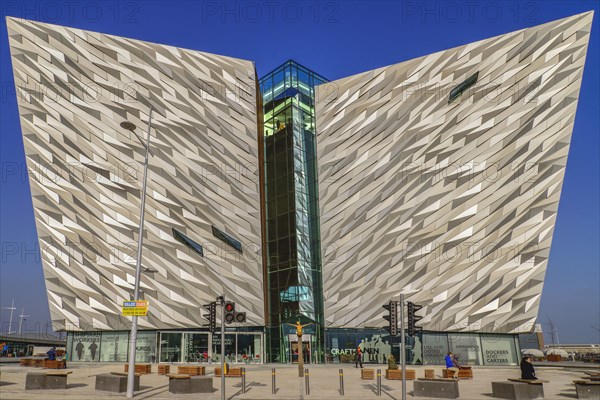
x=458, y=90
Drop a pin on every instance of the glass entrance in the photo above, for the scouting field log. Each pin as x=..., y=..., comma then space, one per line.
x=297, y=351
x=170, y=346
x=199, y=347
x=195, y=347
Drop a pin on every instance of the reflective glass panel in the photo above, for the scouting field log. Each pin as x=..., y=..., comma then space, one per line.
x=499, y=350
x=435, y=348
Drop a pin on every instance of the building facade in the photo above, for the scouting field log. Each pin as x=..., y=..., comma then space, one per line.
x=298, y=198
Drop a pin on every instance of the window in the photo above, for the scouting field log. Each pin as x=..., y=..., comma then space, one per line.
x=227, y=239
x=188, y=242
x=457, y=91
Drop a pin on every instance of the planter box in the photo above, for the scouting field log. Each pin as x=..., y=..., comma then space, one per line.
x=55, y=364
x=367, y=373
x=140, y=368
x=191, y=370
x=394, y=374
x=164, y=369
x=232, y=372
x=463, y=373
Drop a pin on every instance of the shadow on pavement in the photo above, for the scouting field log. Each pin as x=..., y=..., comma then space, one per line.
x=371, y=386
x=76, y=385
x=386, y=391
x=568, y=395
x=151, y=392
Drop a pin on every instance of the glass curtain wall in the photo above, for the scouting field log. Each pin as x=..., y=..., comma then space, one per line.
x=291, y=210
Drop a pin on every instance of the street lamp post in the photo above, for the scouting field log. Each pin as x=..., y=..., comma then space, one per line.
x=11, y=308
x=138, y=266
x=23, y=317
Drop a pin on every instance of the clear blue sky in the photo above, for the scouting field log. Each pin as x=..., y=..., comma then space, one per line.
x=336, y=39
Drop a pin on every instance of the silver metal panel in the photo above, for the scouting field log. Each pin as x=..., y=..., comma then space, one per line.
x=74, y=88
x=453, y=204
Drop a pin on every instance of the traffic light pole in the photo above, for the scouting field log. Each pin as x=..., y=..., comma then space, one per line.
x=223, y=347
x=402, y=347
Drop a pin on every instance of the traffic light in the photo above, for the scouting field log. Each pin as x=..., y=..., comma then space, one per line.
x=211, y=316
x=412, y=318
x=231, y=315
x=392, y=317
x=240, y=317
x=229, y=312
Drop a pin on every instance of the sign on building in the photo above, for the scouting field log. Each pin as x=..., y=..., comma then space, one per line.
x=135, y=308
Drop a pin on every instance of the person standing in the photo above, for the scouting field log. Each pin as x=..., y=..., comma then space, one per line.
x=51, y=354
x=359, y=355
x=450, y=365
x=527, y=370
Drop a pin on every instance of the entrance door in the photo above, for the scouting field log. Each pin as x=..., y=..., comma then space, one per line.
x=304, y=352
x=170, y=346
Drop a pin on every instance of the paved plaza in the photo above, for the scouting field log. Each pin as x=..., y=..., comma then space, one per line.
x=324, y=383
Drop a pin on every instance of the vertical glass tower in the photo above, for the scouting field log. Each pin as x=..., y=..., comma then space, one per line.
x=293, y=254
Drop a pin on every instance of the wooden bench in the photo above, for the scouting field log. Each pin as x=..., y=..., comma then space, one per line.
x=140, y=368
x=367, y=373
x=25, y=362
x=529, y=381
x=116, y=382
x=164, y=369
x=518, y=389
x=233, y=372
x=587, y=389
x=55, y=364
x=463, y=373
x=592, y=378
x=440, y=388
x=37, y=362
x=186, y=384
x=394, y=374
x=191, y=370
x=47, y=380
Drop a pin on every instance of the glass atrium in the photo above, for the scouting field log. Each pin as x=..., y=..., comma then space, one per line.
x=291, y=203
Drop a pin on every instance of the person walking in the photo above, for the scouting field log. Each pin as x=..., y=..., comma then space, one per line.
x=527, y=370
x=450, y=366
x=359, y=355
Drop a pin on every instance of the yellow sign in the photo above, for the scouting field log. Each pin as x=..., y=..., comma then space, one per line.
x=135, y=308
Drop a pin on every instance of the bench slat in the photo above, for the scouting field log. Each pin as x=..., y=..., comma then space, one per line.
x=179, y=376
x=536, y=382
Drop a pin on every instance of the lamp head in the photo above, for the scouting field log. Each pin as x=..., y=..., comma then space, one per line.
x=130, y=126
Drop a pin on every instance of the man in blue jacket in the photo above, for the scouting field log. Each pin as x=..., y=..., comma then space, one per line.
x=51, y=354
x=450, y=366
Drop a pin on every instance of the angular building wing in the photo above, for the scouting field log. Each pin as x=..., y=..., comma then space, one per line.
x=202, y=220
x=440, y=177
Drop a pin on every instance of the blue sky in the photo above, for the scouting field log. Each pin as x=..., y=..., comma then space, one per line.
x=336, y=39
